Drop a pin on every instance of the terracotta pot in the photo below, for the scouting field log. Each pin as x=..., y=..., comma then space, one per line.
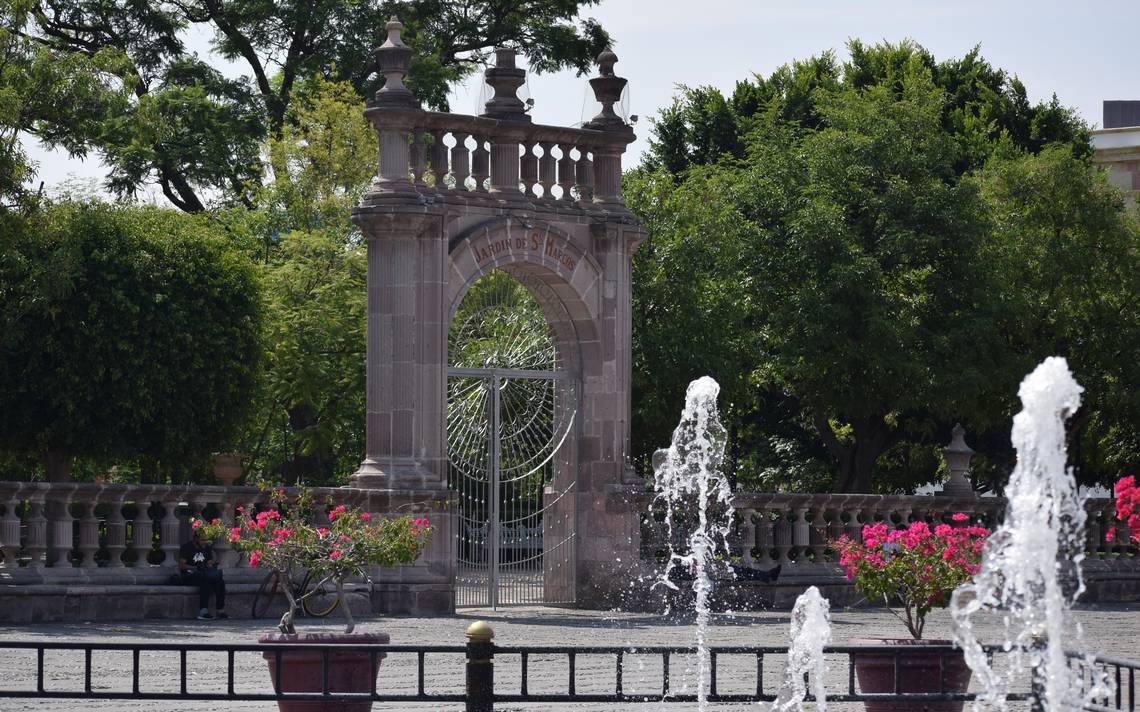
x=301, y=670
x=227, y=467
x=918, y=672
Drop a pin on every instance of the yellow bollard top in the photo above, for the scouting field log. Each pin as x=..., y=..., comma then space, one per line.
x=480, y=632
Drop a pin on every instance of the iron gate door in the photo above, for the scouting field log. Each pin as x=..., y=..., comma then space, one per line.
x=506, y=435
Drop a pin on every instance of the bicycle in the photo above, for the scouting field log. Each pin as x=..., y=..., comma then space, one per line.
x=271, y=596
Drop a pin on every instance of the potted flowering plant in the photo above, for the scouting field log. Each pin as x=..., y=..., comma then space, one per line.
x=209, y=531
x=915, y=569
x=343, y=544
x=1127, y=510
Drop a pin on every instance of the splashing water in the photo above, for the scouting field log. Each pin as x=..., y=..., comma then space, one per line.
x=1030, y=571
x=688, y=475
x=811, y=632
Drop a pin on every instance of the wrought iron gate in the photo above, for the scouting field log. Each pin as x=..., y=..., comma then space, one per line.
x=511, y=412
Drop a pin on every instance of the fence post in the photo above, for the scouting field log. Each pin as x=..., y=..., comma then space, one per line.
x=480, y=668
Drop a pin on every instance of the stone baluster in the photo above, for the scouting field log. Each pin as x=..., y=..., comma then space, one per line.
x=480, y=164
x=10, y=534
x=801, y=534
x=855, y=524
x=818, y=534
x=142, y=534
x=782, y=536
x=62, y=526
x=224, y=552
x=528, y=169
x=171, y=533
x=1094, y=535
x=566, y=175
x=904, y=517
x=116, y=533
x=37, y=544
x=460, y=160
x=764, y=539
x=418, y=157
x=88, y=534
x=835, y=526
x=584, y=175
x=547, y=169
x=747, y=532
x=439, y=160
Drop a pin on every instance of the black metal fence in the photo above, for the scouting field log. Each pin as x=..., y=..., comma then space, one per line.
x=479, y=693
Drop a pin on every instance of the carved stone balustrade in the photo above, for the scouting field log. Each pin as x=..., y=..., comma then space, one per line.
x=795, y=532
x=74, y=532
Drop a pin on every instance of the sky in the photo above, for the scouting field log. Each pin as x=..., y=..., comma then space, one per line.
x=1085, y=53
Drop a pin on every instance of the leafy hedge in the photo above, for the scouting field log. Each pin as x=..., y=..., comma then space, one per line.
x=125, y=332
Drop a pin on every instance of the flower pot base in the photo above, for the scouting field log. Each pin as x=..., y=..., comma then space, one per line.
x=301, y=671
x=919, y=671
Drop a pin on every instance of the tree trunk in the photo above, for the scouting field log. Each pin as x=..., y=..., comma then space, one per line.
x=57, y=463
x=313, y=468
x=857, y=460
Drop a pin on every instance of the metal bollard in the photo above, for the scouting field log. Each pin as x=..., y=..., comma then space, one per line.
x=480, y=668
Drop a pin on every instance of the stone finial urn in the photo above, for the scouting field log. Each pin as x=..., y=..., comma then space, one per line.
x=958, y=455
x=227, y=467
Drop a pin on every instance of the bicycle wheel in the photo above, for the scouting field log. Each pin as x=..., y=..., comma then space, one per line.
x=269, y=595
x=319, y=603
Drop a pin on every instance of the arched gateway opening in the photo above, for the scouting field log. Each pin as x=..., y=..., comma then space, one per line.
x=499, y=346
x=512, y=407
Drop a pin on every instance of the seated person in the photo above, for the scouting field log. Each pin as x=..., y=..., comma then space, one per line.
x=197, y=567
x=741, y=573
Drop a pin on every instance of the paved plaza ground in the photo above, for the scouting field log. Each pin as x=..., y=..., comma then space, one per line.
x=1112, y=630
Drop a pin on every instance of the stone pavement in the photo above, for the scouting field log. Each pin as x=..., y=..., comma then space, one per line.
x=1112, y=630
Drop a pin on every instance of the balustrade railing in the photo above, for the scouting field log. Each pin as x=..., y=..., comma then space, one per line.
x=795, y=530
x=499, y=155
x=73, y=527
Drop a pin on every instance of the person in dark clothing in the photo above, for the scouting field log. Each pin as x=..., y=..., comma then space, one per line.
x=746, y=574
x=739, y=573
x=197, y=567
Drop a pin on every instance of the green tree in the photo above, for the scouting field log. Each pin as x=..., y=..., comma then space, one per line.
x=196, y=132
x=37, y=87
x=309, y=422
x=127, y=333
x=878, y=290
x=984, y=104
x=1068, y=252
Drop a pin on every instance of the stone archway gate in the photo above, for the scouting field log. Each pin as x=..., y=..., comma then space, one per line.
x=456, y=197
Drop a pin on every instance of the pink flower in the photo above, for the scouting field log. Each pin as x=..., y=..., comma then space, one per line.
x=336, y=555
x=365, y=515
x=322, y=531
x=961, y=517
x=339, y=509
x=235, y=537
x=255, y=557
x=213, y=521
x=195, y=523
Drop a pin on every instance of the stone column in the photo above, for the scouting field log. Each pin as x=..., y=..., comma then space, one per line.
x=37, y=543
x=407, y=351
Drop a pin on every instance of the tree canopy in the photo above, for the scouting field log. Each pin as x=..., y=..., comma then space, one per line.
x=158, y=113
x=861, y=255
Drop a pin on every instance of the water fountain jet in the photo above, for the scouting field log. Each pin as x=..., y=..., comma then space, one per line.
x=1030, y=574
x=688, y=474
